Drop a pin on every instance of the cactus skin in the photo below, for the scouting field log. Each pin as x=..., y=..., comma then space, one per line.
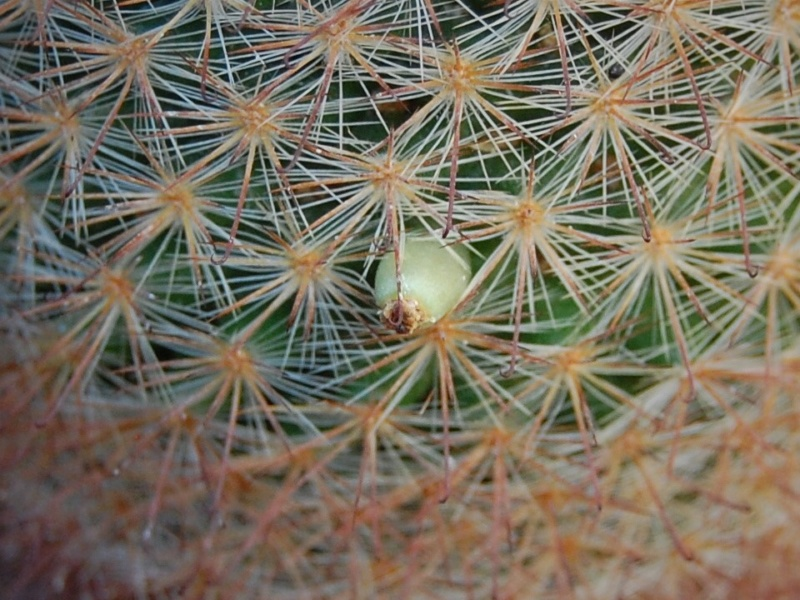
x=199, y=398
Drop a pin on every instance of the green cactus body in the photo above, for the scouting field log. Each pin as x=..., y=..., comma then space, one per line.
x=211, y=385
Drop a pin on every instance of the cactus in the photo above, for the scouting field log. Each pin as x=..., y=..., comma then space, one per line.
x=202, y=397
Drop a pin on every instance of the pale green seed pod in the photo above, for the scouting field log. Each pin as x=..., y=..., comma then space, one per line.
x=433, y=277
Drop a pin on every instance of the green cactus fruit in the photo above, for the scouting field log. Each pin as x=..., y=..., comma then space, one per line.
x=432, y=279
